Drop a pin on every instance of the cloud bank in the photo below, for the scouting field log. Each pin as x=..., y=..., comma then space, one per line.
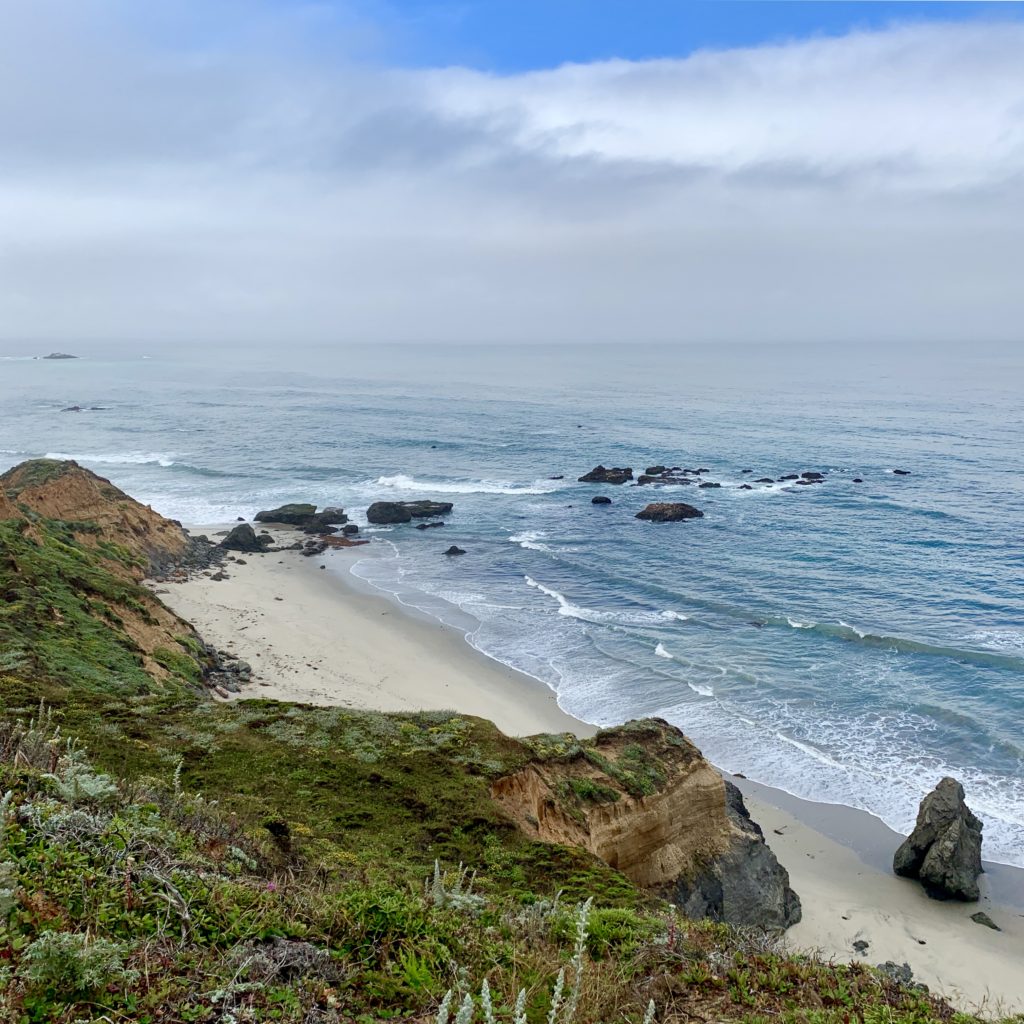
x=253, y=179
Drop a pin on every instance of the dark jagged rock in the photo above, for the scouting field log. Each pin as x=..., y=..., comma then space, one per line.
x=902, y=472
x=557, y=476
x=707, y=484
x=790, y=476
x=665, y=479
x=305, y=517
x=600, y=475
x=453, y=550
x=669, y=512
x=746, y=487
x=944, y=850
x=746, y=471
x=745, y=885
x=428, y=526
x=391, y=512
x=349, y=529
x=765, y=480
x=70, y=408
x=812, y=475
x=980, y=917
x=857, y=480
x=243, y=538
x=655, y=470
x=600, y=499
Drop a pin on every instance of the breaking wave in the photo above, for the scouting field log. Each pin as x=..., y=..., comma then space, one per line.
x=402, y=482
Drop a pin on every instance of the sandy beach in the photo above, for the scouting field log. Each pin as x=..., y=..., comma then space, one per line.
x=312, y=637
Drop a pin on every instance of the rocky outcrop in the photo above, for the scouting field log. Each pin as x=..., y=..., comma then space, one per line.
x=243, y=538
x=305, y=517
x=97, y=512
x=601, y=475
x=60, y=355
x=644, y=800
x=390, y=512
x=600, y=499
x=669, y=512
x=454, y=550
x=944, y=850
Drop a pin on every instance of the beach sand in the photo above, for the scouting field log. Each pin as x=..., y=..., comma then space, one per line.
x=312, y=637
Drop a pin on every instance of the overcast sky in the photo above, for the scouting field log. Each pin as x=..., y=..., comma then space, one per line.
x=300, y=171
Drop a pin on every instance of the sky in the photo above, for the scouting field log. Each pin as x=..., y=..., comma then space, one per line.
x=364, y=171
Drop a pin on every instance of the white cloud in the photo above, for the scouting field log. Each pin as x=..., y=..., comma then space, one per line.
x=256, y=186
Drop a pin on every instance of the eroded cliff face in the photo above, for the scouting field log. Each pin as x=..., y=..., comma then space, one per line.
x=64, y=491
x=644, y=800
x=72, y=552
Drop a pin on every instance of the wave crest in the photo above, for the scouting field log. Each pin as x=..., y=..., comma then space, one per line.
x=402, y=482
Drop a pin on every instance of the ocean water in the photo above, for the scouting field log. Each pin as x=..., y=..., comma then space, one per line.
x=849, y=643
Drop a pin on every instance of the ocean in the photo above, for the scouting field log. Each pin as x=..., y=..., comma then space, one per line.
x=849, y=643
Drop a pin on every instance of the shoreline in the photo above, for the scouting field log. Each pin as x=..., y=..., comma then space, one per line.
x=318, y=636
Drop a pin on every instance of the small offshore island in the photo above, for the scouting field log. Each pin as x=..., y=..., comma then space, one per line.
x=237, y=789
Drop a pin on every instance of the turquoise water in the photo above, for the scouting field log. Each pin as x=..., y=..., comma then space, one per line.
x=846, y=642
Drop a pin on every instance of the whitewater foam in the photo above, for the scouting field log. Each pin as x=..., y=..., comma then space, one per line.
x=661, y=652
x=529, y=539
x=704, y=691
x=117, y=459
x=402, y=482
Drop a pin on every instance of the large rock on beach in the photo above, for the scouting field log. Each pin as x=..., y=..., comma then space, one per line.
x=386, y=513
x=944, y=850
x=243, y=538
x=669, y=512
x=601, y=475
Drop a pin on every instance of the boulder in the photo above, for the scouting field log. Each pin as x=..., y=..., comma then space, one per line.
x=668, y=477
x=243, y=538
x=790, y=476
x=428, y=526
x=857, y=480
x=902, y=472
x=811, y=475
x=655, y=470
x=304, y=516
x=746, y=487
x=746, y=471
x=707, y=483
x=669, y=512
x=764, y=480
x=349, y=529
x=600, y=499
x=600, y=475
x=453, y=550
x=944, y=850
x=390, y=512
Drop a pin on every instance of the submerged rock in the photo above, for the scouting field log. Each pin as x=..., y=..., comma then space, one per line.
x=944, y=850
x=980, y=917
x=902, y=472
x=428, y=526
x=669, y=512
x=600, y=475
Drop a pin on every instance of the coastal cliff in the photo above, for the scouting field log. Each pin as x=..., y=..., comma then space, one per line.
x=169, y=857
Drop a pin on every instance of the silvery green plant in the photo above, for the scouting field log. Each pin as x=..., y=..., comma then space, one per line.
x=454, y=894
x=563, y=1005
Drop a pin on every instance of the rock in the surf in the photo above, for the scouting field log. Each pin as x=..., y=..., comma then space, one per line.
x=902, y=472
x=304, y=516
x=655, y=470
x=944, y=850
x=389, y=512
x=669, y=512
x=601, y=475
x=812, y=475
x=454, y=550
x=600, y=499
